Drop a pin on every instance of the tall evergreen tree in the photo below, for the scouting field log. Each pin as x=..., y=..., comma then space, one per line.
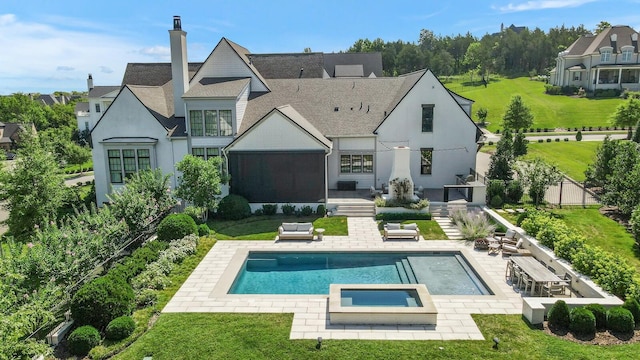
x=519, y=144
x=518, y=115
x=501, y=164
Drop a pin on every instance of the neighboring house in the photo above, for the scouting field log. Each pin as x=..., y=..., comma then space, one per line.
x=289, y=126
x=51, y=99
x=100, y=98
x=608, y=60
x=10, y=135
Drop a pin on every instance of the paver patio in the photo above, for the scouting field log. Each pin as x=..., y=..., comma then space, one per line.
x=311, y=311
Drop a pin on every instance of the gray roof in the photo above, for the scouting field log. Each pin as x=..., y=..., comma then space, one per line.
x=10, y=129
x=591, y=44
x=159, y=101
x=82, y=106
x=152, y=74
x=217, y=87
x=287, y=66
x=99, y=91
x=371, y=62
x=361, y=103
x=349, y=70
x=47, y=99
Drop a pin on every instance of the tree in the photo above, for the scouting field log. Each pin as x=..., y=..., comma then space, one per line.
x=519, y=144
x=34, y=191
x=500, y=167
x=200, y=181
x=518, y=115
x=627, y=113
x=636, y=134
x=482, y=114
x=601, y=168
x=537, y=175
x=601, y=26
x=622, y=188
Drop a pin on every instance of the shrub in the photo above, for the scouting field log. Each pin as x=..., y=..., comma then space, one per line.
x=540, y=140
x=514, y=191
x=137, y=262
x=566, y=139
x=496, y=201
x=567, y=246
x=579, y=136
x=203, y=230
x=176, y=226
x=632, y=305
x=101, y=300
x=196, y=213
x=559, y=315
x=620, y=320
x=552, y=89
x=269, y=209
x=258, y=212
x=82, y=339
x=557, y=140
x=495, y=187
x=146, y=297
x=288, y=209
x=120, y=328
x=491, y=143
x=402, y=216
x=600, y=313
x=234, y=207
x=321, y=210
x=635, y=223
x=582, y=321
x=306, y=210
x=548, y=140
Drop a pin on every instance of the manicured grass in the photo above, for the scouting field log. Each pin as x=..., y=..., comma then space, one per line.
x=76, y=168
x=550, y=111
x=266, y=227
x=266, y=336
x=572, y=157
x=429, y=229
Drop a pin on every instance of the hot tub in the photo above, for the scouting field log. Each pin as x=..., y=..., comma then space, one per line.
x=381, y=304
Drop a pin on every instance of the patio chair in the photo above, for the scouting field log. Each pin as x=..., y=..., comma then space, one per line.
x=375, y=192
x=525, y=283
x=555, y=288
x=508, y=249
x=510, y=237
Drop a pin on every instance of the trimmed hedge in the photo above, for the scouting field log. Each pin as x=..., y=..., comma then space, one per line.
x=558, y=315
x=582, y=321
x=203, y=230
x=632, y=305
x=120, y=328
x=137, y=262
x=600, y=313
x=403, y=216
x=269, y=209
x=101, y=300
x=176, y=226
x=83, y=339
x=620, y=319
x=234, y=207
x=321, y=210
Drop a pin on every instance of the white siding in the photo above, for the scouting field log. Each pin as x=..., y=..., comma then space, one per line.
x=276, y=133
x=359, y=145
x=128, y=118
x=224, y=62
x=453, y=137
x=241, y=106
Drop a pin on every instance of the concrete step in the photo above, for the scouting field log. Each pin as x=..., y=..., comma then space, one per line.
x=355, y=210
x=448, y=227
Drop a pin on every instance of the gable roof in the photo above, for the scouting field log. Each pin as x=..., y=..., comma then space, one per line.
x=591, y=44
x=152, y=74
x=99, y=91
x=371, y=62
x=81, y=106
x=217, y=87
x=287, y=66
x=10, y=130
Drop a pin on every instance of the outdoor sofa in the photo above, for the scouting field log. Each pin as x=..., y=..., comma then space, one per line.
x=295, y=231
x=399, y=231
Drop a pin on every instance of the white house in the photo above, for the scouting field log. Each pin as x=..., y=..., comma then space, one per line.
x=290, y=127
x=608, y=60
x=100, y=98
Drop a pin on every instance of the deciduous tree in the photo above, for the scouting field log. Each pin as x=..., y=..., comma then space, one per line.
x=199, y=182
x=538, y=175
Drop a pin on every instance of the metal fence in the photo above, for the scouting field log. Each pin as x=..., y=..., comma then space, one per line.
x=565, y=192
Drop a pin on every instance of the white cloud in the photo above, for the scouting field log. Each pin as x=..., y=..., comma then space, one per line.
x=160, y=53
x=543, y=4
x=34, y=50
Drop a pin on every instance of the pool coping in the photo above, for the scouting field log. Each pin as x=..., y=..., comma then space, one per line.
x=229, y=274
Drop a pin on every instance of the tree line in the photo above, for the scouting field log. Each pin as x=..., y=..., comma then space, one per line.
x=511, y=51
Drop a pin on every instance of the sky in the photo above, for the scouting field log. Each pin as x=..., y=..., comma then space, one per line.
x=52, y=45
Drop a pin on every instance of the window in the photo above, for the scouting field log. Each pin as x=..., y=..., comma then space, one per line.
x=605, y=55
x=626, y=54
x=427, y=118
x=211, y=122
x=86, y=125
x=426, y=161
x=577, y=76
x=97, y=108
x=126, y=162
x=205, y=153
x=356, y=163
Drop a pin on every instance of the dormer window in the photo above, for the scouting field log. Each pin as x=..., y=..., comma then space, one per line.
x=605, y=54
x=627, y=52
x=211, y=122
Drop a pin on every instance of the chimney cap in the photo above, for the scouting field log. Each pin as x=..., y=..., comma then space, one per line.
x=177, y=24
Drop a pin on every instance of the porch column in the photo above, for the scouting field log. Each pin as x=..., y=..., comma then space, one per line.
x=597, y=78
x=619, y=76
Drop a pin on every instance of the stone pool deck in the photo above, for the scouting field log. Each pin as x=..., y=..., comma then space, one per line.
x=311, y=311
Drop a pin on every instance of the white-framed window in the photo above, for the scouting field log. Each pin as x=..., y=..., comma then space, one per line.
x=356, y=163
x=577, y=76
x=207, y=153
x=427, y=117
x=126, y=162
x=97, y=108
x=211, y=122
x=605, y=55
x=426, y=161
x=626, y=54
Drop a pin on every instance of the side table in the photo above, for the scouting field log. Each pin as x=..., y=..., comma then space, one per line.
x=320, y=232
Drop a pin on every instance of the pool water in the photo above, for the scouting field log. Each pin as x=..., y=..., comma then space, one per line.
x=380, y=297
x=444, y=273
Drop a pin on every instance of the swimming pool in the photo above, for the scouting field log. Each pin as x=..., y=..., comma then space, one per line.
x=443, y=273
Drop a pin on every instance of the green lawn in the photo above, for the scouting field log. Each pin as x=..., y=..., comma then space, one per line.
x=429, y=229
x=572, y=157
x=266, y=336
x=266, y=227
x=549, y=111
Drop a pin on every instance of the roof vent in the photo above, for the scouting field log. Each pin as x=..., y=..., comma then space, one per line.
x=301, y=70
x=336, y=108
x=177, y=25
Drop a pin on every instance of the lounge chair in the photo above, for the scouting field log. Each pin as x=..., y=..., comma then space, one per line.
x=508, y=249
x=510, y=237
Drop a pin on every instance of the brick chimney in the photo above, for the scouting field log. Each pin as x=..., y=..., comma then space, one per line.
x=179, y=65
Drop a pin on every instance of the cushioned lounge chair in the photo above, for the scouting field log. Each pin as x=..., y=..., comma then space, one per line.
x=399, y=231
